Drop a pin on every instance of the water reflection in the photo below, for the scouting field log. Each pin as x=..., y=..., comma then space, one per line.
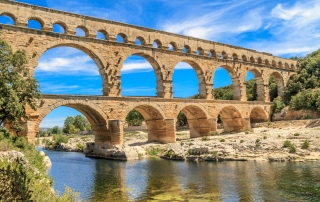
x=162, y=180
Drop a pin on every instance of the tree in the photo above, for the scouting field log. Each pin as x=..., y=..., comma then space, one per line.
x=18, y=89
x=273, y=88
x=251, y=89
x=81, y=123
x=76, y=124
x=134, y=118
x=56, y=130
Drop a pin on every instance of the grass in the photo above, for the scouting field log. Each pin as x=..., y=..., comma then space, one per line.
x=222, y=140
x=296, y=134
x=288, y=144
x=214, y=133
x=154, y=151
x=205, y=138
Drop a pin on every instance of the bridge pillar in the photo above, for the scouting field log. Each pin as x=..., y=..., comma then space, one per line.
x=243, y=92
x=201, y=127
x=165, y=91
x=108, y=135
x=206, y=91
x=163, y=131
x=266, y=93
x=236, y=124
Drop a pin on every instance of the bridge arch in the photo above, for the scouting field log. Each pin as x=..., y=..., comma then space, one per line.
x=38, y=20
x=159, y=128
x=232, y=119
x=259, y=83
x=258, y=115
x=197, y=119
x=234, y=79
x=199, y=74
x=10, y=15
x=156, y=68
x=280, y=82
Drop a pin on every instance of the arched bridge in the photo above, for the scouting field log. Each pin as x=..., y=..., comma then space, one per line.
x=163, y=51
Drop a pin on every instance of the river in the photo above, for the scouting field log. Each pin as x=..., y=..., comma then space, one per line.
x=164, y=180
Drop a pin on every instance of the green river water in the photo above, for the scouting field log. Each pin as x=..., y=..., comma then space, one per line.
x=164, y=180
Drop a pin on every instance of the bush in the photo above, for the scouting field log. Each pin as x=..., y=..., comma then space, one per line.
x=205, y=138
x=265, y=137
x=296, y=134
x=214, y=133
x=81, y=147
x=257, y=141
x=286, y=144
x=306, y=144
x=292, y=149
x=241, y=141
x=60, y=138
x=277, y=105
x=222, y=140
x=154, y=151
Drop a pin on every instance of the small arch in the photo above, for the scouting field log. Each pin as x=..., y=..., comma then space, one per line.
x=156, y=44
x=172, y=46
x=35, y=23
x=199, y=51
x=252, y=60
x=140, y=41
x=244, y=58
x=224, y=55
x=59, y=27
x=7, y=18
x=274, y=63
x=186, y=49
x=259, y=60
x=82, y=31
x=102, y=34
x=234, y=57
x=280, y=64
x=266, y=62
x=258, y=115
x=122, y=38
x=286, y=65
x=212, y=53
x=231, y=119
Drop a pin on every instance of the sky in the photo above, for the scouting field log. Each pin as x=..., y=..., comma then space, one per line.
x=284, y=28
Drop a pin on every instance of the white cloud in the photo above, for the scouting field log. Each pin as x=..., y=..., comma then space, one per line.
x=68, y=65
x=132, y=66
x=57, y=88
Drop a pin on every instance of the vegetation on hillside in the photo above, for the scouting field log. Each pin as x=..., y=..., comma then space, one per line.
x=18, y=88
x=75, y=124
x=25, y=178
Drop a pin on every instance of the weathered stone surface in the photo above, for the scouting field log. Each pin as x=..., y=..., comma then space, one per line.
x=107, y=113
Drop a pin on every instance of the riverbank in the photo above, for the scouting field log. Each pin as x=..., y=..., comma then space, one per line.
x=277, y=141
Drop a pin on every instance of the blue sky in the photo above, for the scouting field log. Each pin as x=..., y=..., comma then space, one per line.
x=283, y=28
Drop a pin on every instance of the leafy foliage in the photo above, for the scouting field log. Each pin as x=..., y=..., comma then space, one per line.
x=224, y=93
x=308, y=77
x=75, y=124
x=18, y=88
x=273, y=88
x=251, y=89
x=182, y=119
x=134, y=118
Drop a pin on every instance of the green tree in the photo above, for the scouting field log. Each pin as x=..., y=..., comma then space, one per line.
x=251, y=89
x=56, y=130
x=134, y=118
x=224, y=93
x=273, y=88
x=182, y=119
x=81, y=123
x=18, y=89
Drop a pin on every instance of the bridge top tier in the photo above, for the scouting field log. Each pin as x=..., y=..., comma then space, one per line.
x=21, y=13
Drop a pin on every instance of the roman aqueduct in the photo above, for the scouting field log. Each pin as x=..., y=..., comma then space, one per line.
x=163, y=51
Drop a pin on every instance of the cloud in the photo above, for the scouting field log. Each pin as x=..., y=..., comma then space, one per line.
x=134, y=66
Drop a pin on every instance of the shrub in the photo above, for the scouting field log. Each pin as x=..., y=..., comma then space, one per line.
x=265, y=137
x=292, y=149
x=222, y=140
x=154, y=151
x=81, y=147
x=21, y=142
x=286, y=144
x=214, y=133
x=296, y=134
x=306, y=144
x=257, y=141
x=58, y=138
x=205, y=138
x=241, y=141
x=277, y=105
x=247, y=132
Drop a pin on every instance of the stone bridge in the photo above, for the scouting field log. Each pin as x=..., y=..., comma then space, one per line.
x=107, y=115
x=163, y=51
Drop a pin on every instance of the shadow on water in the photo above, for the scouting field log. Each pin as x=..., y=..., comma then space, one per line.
x=163, y=180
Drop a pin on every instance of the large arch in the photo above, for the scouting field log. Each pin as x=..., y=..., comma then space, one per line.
x=280, y=82
x=95, y=115
x=199, y=124
x=88, y=50
x=259, y=83
x=200, y=76
x=156, y=70
x=258, y=115
x=159, y=129
x=235, y=81
x=232, y=119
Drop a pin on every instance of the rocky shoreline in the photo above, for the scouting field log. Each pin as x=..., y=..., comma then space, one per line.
x=264, y=143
